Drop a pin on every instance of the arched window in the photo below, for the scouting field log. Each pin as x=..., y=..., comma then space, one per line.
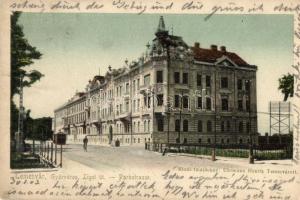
x=185, y=125
x=199, y=126
x=209, y=126
x=148, y=126
x=241, y=127
x=145, y=126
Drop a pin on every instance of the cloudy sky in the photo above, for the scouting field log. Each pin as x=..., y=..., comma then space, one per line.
x=76, y=47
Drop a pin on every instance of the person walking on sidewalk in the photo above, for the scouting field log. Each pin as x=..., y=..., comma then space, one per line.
x=85, y=141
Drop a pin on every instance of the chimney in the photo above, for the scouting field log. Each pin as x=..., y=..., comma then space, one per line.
x=197, y=45
x=214, y=47
x=223, y=48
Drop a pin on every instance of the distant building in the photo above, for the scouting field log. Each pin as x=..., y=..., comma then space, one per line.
x=172, y=90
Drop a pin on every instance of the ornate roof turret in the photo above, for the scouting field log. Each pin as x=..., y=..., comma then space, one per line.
x=161, y=29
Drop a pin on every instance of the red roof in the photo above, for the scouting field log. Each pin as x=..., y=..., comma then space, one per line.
x=211, y=55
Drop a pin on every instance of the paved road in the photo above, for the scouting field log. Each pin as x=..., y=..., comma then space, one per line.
x=122, y=158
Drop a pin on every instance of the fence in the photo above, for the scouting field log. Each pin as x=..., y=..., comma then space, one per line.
x=260, y=151
x=48, y=152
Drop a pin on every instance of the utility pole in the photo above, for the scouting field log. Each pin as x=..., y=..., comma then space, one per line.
x=19, y=135
x=251, y=159
x=213, y=156
x=180, y=113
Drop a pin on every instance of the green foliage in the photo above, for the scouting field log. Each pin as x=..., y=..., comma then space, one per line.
x=286, y=85
x=38, y=129
x=22, y=55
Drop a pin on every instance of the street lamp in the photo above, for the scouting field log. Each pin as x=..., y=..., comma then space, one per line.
x=251, y=158
x=213, y=156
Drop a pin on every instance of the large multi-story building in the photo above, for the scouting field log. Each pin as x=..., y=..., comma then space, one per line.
x=173, y=93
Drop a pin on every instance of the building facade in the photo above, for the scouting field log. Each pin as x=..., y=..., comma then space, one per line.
x=173, y=93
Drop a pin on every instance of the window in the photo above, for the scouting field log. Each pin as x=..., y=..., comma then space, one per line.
x=223, y=126
x=185, y=101
x=127, y=88
x=176, y=77
x=199, y=140
x=147, y=79
x=240, y=104
x=185, y=78
x=208, y=103
x=207, y=80
x=149, y=101
x=199, y=102
x=138, y=129
x=145, y=126
x=199, y=126
x=199, y=80
x=228, y=126
x=208, y=140
x=177, y=125
x=224, y=82
x=247, y=105
x=148, y=125
x=209, y=126
x=227, y=140
x=160, y=99
x=160, y=124
x=138, y=83
x=185, y=140
x=241, y=127
x=248, y=127
x=225, y=104
x=138, y=105
x=176, y=101
x=185, y=125
x=159, y=76
x=133, y=86
x=247, y=85
x=239, y=84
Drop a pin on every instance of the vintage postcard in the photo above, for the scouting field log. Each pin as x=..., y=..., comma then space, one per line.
x=163, y=100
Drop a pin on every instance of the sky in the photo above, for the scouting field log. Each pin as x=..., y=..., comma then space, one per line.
x=78, y=46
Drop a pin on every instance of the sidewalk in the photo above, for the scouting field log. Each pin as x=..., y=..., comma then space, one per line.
x=244, y=162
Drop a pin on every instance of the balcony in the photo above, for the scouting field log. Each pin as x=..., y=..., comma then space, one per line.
x=125, y=116
x=144, y=88
x=126, y=96
x=160, y=109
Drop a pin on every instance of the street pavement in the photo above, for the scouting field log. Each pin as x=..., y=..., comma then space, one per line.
x=103, y=158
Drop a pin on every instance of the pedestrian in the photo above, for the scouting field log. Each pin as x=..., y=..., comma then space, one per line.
x=85, y=141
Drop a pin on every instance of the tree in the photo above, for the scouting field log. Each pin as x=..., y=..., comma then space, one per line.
x=22, y=55
x=286, y=85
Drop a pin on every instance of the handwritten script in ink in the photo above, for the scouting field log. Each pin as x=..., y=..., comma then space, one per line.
x=174, y=183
